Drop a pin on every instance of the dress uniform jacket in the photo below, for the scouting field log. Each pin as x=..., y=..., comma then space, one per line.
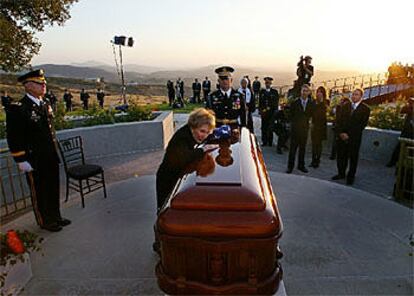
x=268, y=101
x=67, y=97
x=228, y=110
x=268, y=106
x=256, y=86
x=31, y=138
x=196, y=86
x=207, y=85
x=100, y=96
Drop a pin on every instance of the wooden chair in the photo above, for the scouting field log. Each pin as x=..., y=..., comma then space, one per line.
x=81, y=177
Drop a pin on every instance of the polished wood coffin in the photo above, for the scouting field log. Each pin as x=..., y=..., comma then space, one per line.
x=219, y=231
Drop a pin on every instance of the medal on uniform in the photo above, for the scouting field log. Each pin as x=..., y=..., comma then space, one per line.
x=35, y=117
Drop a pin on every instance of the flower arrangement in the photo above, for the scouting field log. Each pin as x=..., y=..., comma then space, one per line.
x=13, y=246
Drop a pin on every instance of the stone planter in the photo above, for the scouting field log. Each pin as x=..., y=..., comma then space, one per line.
x=18, y=275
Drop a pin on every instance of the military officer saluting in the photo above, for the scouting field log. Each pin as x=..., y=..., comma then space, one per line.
x=268, y=105
x=32, y=143
x=228, y=104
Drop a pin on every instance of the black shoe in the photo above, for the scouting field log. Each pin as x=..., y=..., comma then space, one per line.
x=279, y=151
x=303, y=169
x=53, y=227
x=332, y=157
x=63, y=222
x=289, y=171
x=313, y=165
x=338, y=177
x=264, y=144
x=350, y=180
x=156, y=247
x=390, y=164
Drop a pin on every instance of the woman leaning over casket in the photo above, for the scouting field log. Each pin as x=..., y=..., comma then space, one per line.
x=182, y=150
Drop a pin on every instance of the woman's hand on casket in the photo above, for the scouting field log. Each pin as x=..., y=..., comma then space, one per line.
x=210, y=147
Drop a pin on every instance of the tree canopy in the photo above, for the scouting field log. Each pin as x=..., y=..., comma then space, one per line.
x=19, y=21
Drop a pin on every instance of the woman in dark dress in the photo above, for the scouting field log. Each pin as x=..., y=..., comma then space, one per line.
x=319, y=123
x=182, y=151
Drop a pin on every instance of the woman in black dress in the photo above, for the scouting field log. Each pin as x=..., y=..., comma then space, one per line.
x=182, y=150
x=319, y=123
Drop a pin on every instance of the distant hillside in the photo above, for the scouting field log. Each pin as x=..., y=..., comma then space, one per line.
x=141, y=76
x=69, y=71
x=111, y=68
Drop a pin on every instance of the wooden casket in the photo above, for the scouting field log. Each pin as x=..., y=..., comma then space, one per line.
x=219, y=231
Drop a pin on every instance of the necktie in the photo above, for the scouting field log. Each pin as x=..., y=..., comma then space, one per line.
x=353, y=107
x=304, y=105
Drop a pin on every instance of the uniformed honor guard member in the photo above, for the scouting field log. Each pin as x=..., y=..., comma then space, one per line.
x=206, y=89
x=84, y=97
x=196, y=91
x=256, y=87
x=67, y=98
x=32, y=143
x=268, y=106
x=100, y=96
x=228, y=104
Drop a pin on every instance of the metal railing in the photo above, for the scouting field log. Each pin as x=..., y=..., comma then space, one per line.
x=374, y=85
x=404, y=184
x=14, y=192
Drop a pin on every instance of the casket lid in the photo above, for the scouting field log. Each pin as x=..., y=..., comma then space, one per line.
x=224, y=196
x=231, y=181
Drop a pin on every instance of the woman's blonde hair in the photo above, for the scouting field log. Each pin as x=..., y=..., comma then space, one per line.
x=200, y=117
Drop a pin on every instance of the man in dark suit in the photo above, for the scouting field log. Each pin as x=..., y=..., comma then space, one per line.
x=196, y=91
x=268, y=106
x=206, y=89
x=351, y=121
x=301, y=110
x=32, y=143
x=228, y=104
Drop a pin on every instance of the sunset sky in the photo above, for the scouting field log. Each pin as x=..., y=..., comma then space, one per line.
x=361, y=35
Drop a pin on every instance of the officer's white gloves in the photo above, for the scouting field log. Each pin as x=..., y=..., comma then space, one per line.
x=24, y=166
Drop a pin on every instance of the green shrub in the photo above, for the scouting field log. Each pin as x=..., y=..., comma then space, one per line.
x=59, y=120
x=99, y=117
x=2, y=129
x=387, y=115
x=135, y=113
